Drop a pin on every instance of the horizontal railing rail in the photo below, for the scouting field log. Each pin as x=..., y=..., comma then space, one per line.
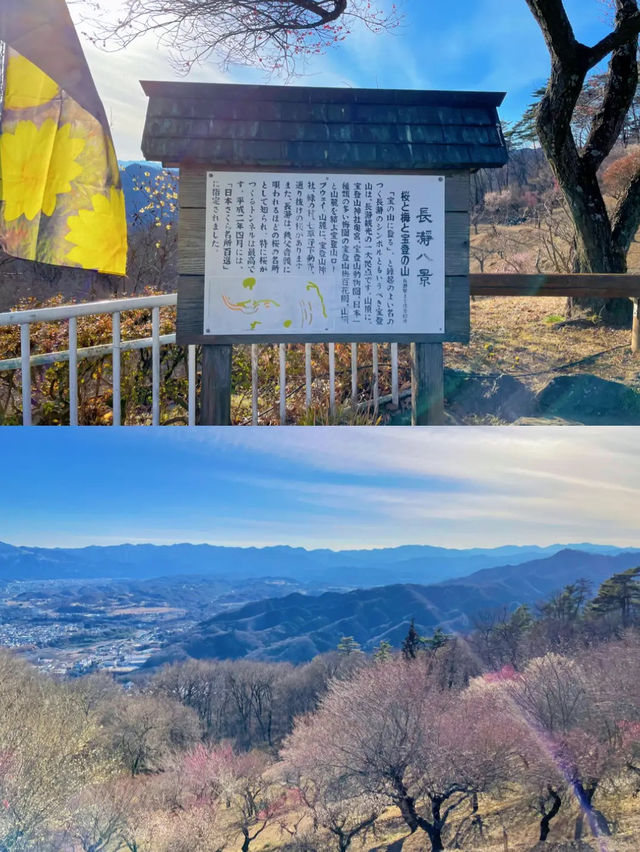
x=45, y=359
x=70, y=313
x=86, y=309
x=573, y=284
x=116, y=307
x=577, y=285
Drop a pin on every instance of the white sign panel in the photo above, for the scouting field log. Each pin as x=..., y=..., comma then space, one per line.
x=295, y=254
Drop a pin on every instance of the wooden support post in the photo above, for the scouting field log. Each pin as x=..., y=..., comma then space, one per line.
x=635, y=329
x=427, y=384
x=215, y=397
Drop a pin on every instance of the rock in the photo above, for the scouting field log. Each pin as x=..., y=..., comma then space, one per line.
x=504, y=397
x=585, y=398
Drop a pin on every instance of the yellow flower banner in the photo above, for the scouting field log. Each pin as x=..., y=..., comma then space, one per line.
x=61, y=200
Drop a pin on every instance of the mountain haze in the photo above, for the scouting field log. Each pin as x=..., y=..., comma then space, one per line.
x=297, y=626
x=346, y=568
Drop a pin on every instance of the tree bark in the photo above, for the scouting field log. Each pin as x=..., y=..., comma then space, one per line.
x=602, y=244
x=414, y=821
x=437, y=824
x=595, y=818
x=545, y=822
x=407, y=808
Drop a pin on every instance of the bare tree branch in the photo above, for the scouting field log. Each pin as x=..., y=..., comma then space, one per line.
x=622, y=82
x=556, y=28
x=274, y=34
x=628, y=26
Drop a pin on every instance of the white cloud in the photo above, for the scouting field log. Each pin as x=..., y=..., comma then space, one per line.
x=448, y=486
x=117, y=75
x=362, y=487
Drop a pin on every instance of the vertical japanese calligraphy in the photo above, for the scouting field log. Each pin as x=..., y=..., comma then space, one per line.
x=294, y=254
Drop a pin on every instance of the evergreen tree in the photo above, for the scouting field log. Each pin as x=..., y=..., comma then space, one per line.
x=348, y=645
x=412, y=643
x=621, y=594
x=524, y=133
x=382, y=652
x=438, y=639
x=567, y=605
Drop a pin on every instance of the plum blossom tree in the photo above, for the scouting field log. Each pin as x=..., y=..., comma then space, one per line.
x=49, y=751
x=236, y=782
x=561, y=704
x=534, y=771
x=395, y=735
x=332, y=796
x=144, y=730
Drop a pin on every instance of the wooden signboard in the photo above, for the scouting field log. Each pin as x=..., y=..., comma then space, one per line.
x=268, y=253
x=192, y=263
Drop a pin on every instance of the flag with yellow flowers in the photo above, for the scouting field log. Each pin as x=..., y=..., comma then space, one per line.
x=61, y=200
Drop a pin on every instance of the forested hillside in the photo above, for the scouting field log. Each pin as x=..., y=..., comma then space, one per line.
x=526, y=730
x=297, y=627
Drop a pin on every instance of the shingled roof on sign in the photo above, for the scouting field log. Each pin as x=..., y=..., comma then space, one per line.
x=228, y=125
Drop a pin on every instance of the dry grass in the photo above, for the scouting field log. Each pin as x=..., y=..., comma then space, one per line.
x=528, y=338
x=502, y=821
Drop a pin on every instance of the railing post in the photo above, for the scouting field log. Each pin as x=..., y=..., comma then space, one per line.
x=192, y=378
x=332, y=379
x=395, y=385
x=115, y=369
x=307, y=376
x=215, y=398
x=254, y=384
x=376, y=378
x=25, y=354
x=282, y=354
x=427, y=384
x=73, y=371
x=155, y=366
x=354, y=375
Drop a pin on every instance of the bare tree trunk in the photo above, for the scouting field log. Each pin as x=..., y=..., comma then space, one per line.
x=602, y=242
x=545, y=822
x=595, y=818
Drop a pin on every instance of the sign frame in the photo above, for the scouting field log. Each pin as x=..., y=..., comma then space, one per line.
x=191, y=249
x=229, y=242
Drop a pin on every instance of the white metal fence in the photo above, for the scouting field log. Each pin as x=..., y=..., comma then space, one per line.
x=115, y=308
x=373, y=403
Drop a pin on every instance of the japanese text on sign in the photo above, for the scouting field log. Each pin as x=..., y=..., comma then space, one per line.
x=290, y=253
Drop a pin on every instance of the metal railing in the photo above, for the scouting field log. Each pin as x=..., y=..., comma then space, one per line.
x=372, y=404
x=70, y=314
x=115, y=308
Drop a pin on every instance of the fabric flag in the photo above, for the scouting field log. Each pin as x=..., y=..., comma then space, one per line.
x=61, y=199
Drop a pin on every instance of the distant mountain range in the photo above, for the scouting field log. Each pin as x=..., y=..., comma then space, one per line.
x=344, y=569
x=299, y=626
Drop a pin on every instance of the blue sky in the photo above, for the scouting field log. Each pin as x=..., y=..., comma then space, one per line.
x=330, y=487
x=471, y=44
